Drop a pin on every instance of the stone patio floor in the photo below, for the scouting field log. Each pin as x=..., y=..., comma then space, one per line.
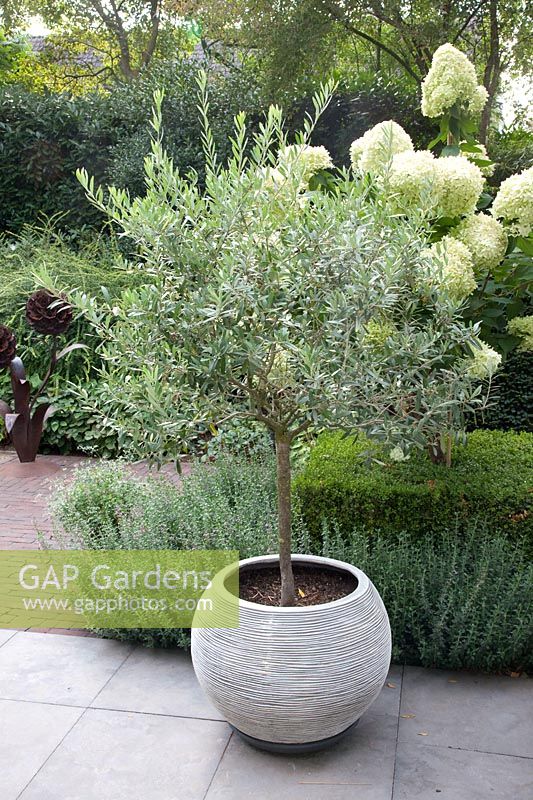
x=83, y=718
x=90, y=719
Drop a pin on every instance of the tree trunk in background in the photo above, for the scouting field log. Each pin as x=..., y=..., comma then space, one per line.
x=493, y=68
x=283, y=450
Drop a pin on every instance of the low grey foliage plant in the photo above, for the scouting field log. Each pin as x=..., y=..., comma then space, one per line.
x=462, y=599
x=230, y=505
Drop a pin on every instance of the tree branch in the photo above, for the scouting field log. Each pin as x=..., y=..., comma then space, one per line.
x=371, y=39
x=469, y=19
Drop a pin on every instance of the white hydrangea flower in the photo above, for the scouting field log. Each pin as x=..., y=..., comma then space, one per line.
x=397, y=454
x=281, y=374
x=413, y=177
x=514, y=203
x=272, y=177
x=356, y=149
x=451, y=80
x=523, y=328
x=484, y=361
x=459, y=185
x=485, y=238
x=453, y=268
x=307, y=159
x=488, y=169
x=373, y=151
x=478, y=101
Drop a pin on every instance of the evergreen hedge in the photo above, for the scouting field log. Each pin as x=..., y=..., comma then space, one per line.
x=491, y=477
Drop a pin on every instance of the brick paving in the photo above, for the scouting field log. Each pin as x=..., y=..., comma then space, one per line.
x=23, y=500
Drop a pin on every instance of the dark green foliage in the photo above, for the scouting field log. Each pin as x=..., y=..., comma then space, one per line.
x=88, y=267
x=45, y=138
x=513, y=395
x=349, y=116
x=74, y=429
x=491, y=477
x=512, y=152
x=462, y=598
x=42, y=141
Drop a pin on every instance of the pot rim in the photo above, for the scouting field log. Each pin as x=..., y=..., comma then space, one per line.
x=362, y=582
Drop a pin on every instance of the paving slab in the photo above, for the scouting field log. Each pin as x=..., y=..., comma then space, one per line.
x=427, y=773
x=121, y=756
x=5, y=635
x=57, y=669
x=361, y=766
x=471, y=711
x=388, y=700
x=157, y=742
x=29, y=733
x=157, y=682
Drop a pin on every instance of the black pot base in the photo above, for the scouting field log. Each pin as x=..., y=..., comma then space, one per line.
x=294, y=749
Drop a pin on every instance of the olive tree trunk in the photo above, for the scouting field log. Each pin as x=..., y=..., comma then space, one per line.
x=283, y=451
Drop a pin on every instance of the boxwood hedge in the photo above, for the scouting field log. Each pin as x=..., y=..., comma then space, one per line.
x=491, y=477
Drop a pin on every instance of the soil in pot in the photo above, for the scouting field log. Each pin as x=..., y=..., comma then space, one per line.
x=314, y=585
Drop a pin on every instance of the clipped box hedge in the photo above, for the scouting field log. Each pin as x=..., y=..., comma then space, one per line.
x=491, y=477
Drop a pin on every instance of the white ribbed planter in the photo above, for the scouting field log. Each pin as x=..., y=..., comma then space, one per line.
x=296, y=675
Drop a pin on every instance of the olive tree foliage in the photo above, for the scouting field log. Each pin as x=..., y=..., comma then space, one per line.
x=265, y=300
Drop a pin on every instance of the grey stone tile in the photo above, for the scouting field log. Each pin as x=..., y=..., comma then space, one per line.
x=473, y=711
x=124, y=756
x=157, y=682
x=52, y=668
x=5, y=635
x=388, y=701
x=29, y=732
x=360, y=766
x=427, y=773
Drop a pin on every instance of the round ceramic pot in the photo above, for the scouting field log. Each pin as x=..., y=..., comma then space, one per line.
x=296, y=678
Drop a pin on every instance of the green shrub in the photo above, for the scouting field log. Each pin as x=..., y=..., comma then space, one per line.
x=512, y=151
x=89, y=267
x=513, y=390
x=461, y=599
x=490, y=476
x=75, y=429
x=44, y=138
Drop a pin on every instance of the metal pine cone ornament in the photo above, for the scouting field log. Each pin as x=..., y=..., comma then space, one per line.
x=48, y=313
x=8, y=347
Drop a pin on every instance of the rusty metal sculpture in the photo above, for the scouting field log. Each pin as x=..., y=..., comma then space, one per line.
x=48, y=315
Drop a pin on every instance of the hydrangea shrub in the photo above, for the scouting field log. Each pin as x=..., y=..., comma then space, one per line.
x=452, y=191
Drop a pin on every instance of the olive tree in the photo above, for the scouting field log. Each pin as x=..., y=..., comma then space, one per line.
x=268, y=300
